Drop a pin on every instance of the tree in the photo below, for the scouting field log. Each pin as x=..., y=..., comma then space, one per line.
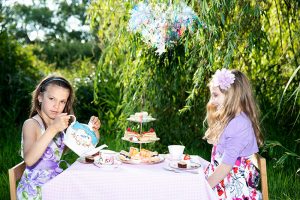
x=55, y=28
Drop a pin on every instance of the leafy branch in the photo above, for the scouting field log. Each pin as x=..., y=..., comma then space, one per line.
x=283, y=158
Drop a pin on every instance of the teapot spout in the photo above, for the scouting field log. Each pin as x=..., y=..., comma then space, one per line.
x=102, y=146
x=95, y=150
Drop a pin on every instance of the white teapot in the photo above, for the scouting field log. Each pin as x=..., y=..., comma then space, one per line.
x=80, y=138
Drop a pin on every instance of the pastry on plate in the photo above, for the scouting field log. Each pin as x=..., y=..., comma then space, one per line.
x=182, y=164
x=124, y=155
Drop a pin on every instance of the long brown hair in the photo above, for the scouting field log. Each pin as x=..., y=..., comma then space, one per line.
x=42, y=86
x=238, y=96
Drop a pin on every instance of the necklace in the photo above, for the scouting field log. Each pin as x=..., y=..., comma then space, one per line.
x=55, y=139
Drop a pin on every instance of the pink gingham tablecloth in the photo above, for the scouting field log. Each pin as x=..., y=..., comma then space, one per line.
x=128, y=181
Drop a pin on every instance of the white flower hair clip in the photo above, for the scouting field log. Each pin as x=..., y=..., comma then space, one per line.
x=223, y=78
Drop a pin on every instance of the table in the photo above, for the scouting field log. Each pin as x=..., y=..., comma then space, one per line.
x=128, y=181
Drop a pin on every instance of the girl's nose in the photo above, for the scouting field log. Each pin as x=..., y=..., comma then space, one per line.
x=56, y=104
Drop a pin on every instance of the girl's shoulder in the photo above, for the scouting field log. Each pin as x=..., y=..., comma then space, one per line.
x=32, y=123
x=241, y=117
x=240, y=122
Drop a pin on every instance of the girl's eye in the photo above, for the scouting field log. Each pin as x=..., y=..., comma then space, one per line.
x=63, y=102
x=51, y=98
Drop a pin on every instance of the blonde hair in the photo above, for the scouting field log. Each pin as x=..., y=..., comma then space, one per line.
x=238, y=97
x=42, y=87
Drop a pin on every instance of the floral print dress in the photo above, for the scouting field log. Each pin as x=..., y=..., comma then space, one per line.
x=45, y=168
x=242, y=181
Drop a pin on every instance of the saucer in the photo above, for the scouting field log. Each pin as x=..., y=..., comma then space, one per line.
x=142, y=161
x=107, y=166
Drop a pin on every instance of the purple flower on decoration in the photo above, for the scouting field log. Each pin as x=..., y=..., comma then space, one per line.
x=223, y=78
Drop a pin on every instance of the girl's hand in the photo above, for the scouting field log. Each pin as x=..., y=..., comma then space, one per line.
x=96, y=124
x=61, y=122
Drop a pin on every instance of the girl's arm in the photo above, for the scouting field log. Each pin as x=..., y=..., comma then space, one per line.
x=35, y=144
x=219, y=174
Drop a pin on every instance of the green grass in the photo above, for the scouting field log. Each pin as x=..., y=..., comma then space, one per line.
x=9, y=155
x=283, y=182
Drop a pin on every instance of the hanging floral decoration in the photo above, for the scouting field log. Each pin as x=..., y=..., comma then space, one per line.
x=162, y=25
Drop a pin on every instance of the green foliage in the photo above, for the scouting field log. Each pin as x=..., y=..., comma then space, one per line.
x=285, y=153
x=56, y=45
x=64, y=54
x=17, y=77
x=47, y=16
x=16, y=80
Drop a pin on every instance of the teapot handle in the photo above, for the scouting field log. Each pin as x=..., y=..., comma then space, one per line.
x=90, y=125
x=74, y=119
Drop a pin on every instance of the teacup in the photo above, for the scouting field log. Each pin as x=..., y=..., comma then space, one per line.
x=176, y=151
x=106, y=157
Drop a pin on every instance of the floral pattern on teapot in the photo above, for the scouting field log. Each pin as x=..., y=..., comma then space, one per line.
x=83, y=135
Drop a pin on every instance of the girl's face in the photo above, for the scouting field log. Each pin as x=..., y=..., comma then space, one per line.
x=216, y=97
x=53, y=100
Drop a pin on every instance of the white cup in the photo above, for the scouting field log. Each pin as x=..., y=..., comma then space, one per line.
x=176, y=151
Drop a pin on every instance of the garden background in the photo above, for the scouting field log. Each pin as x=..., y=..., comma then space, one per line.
x=115, y=73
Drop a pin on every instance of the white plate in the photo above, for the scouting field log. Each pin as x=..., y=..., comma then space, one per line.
x=114, y=166
x=140, y=142
x=140, y=161
x=144, y=119
x=189, y=166
x=131, y=161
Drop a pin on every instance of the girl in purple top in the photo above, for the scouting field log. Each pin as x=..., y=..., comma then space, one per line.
x=42, y=137
x=233, y=129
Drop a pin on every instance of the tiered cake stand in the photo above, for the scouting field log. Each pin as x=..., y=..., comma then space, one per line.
x=141, y=118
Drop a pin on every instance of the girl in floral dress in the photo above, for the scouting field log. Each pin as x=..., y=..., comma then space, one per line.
x=234, y=131
x=42, y=137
